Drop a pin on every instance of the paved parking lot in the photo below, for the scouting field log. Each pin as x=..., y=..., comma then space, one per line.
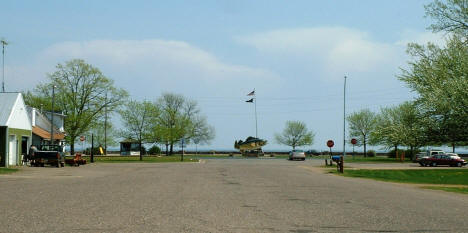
x=228, y=195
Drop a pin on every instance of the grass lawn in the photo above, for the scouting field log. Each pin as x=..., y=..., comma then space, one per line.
x=376, y=159
x=417, y=176
x=463, y=190
x=7, y=170
x=438, y=179
x=136, y=159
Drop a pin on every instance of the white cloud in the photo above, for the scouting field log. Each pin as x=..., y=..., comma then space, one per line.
x=412, y=36
x=148, y=67
x=338, y=49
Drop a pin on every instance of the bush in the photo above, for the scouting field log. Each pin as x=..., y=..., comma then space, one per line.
x=154, y=150
x=371, y=153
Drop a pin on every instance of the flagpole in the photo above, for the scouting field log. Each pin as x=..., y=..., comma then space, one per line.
x=256, y=128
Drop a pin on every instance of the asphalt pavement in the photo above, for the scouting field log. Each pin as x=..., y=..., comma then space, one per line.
x=229, y=195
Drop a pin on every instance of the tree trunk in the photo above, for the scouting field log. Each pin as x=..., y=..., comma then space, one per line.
x=396, y=151
x=167, y=151
x=412, y=152
x=72, y=148
x=171, y=148
x=365, y=148
x=141, y=152
x=453, y=147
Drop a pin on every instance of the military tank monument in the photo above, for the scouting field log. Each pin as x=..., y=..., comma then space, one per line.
x=251, y=147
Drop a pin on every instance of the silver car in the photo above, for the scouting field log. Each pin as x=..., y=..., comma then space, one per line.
x=297, y=154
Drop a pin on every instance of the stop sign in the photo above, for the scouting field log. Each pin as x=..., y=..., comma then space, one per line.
x=330, y=143
x=353, y=141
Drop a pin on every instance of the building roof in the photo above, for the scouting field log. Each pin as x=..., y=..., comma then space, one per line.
x=7, y=103
x=46, y=134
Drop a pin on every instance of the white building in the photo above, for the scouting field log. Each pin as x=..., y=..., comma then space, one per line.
x=15, y=129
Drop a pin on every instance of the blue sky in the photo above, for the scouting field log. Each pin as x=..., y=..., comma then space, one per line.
x=294, y=53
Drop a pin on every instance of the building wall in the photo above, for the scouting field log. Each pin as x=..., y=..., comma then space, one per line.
x=19, y=134
x=3, y=145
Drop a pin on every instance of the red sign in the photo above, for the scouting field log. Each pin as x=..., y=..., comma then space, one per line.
x=330, y=143
x=82, y=138
x=353, y=141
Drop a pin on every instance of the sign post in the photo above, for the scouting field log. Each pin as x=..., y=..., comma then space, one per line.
x=330, y=144
x=82, y=138
x=353, y=141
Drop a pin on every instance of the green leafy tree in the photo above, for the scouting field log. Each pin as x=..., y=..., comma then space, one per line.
x=180, y=118
x=82, y=92
x=201, y=132
x=295, y=134
x=387, y=131
x=138, y=119
x=361, y=124
x=450, y=16
x=412, y=126
x=440, y=77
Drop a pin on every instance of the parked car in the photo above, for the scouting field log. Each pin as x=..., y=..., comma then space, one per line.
x=297, y=154
x=427, y=154
x=312, y=152
x=453, y=155
x=442, y=160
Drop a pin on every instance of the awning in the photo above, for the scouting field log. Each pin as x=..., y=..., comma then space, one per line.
x=44, y=134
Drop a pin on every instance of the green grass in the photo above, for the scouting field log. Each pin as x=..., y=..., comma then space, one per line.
x=376, y=159
x=7, y=170
x=463, y=190
x=417, y=176
x=136, y=159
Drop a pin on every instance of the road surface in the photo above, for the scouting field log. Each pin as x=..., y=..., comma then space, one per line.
x=224, y=195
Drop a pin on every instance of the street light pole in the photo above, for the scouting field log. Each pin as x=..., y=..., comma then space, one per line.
x=344, y=117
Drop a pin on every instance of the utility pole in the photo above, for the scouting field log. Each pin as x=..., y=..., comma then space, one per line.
x=344, y=117
x=52, y=117
x=3, y=63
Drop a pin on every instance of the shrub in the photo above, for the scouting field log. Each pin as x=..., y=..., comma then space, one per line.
x=371, y=153
x=154, y=150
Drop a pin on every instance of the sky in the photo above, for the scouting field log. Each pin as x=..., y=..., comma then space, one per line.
x=295, y=55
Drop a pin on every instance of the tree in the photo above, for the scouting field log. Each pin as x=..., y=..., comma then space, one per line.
x=295, y=134
x=180, y=118
x=138, y=119
x=440, y=77
x=387, y=130
x=202, y=133
x=412, y=126
x=82, y=92
x=361, y=124
x=450, y=16
x=102, y=138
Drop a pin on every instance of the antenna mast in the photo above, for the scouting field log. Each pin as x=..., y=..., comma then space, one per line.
x=3, y=63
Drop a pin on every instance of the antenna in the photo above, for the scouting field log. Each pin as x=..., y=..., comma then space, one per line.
x=3, y=41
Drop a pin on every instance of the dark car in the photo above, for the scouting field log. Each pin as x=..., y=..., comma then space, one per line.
x=442, y=160
x=312, y=152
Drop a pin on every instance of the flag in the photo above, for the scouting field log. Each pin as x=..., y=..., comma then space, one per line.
x=249, y=101
x=251, y=93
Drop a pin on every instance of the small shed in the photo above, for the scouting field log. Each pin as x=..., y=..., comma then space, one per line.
x=15, y=129
x=129, y=147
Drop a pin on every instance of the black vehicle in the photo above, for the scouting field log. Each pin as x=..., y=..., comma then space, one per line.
x=48, y=154
x=312, y=152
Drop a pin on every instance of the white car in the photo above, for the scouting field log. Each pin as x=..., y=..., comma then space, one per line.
x=297, y=154
x=453, y=155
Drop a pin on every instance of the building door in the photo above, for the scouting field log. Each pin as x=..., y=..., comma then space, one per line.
x=12, y=150
x=24, y=147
